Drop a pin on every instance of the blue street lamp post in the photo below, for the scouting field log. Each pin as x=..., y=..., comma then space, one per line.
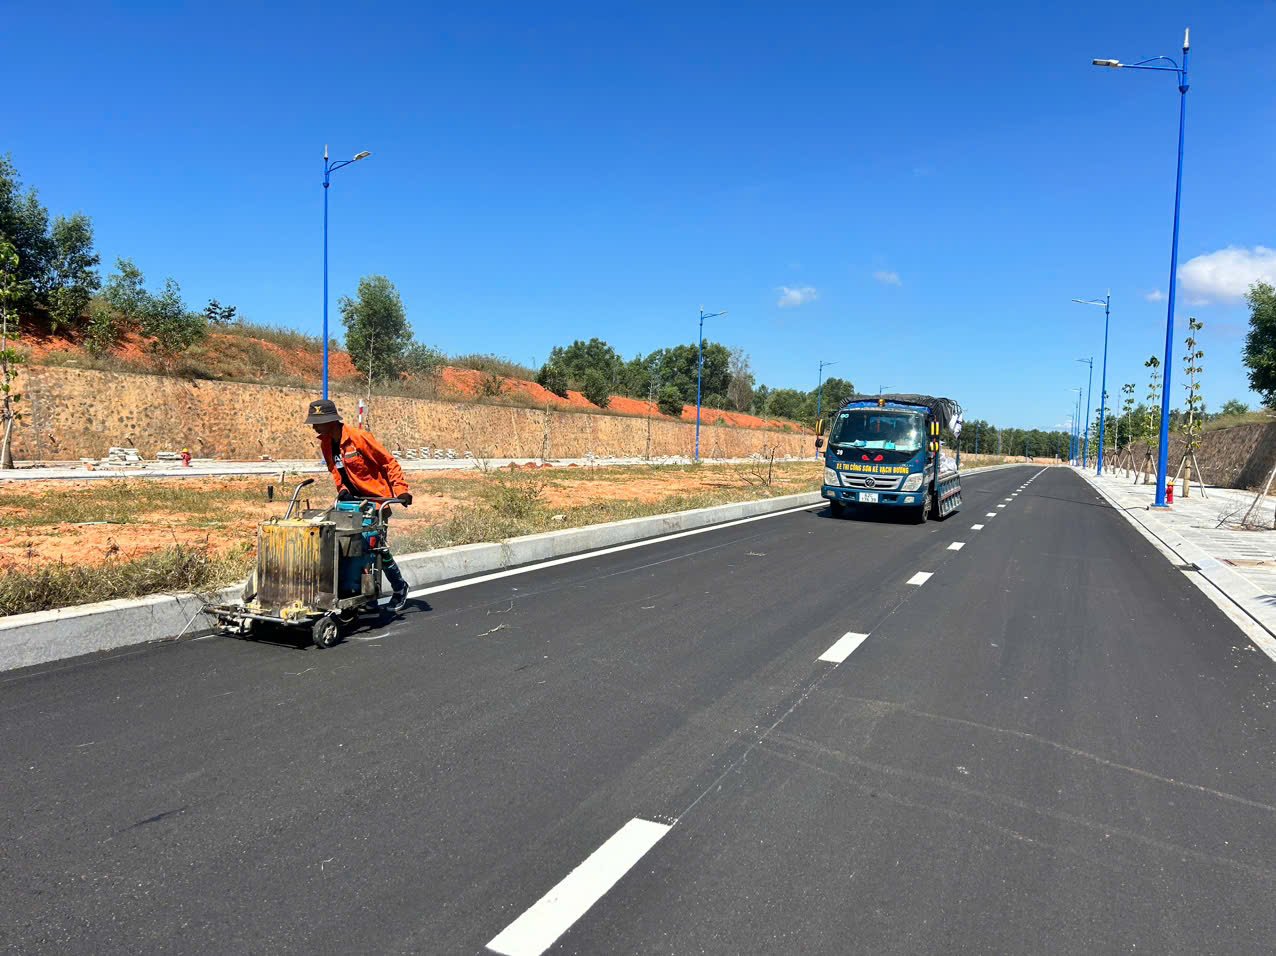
x=819, y=389
x=1106, y=302
x=1076, y=425
x=700, y=368
x=1162, y=463
x=1085, y=448
x=819, y=394
x=328, y=170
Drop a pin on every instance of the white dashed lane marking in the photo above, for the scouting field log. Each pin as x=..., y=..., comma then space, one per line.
x=957, y=546
x=843, y=647
x=976, y=527
x=555, y=912
x=921, y=577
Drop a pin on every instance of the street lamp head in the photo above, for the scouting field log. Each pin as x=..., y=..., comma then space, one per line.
x=358, y=156
x=1111, y=63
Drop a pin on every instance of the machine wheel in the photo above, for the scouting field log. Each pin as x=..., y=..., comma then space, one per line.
x=325, y=632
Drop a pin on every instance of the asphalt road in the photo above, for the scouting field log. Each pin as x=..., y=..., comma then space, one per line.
x=1055, y=744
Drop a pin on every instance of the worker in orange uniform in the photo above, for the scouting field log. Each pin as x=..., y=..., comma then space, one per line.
x=362, y=469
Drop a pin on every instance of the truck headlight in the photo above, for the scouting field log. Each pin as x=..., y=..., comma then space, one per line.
x=830, y=478
x=913, y=482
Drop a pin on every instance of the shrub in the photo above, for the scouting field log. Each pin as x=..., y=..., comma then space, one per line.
x=670, y=401
x=595, y=388
x=514, y=497
x=494, y=364
x=553, y=377
x=491, y=385
x=104, y=331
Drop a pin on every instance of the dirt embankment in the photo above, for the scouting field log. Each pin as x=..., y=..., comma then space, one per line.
x=75, y=413
x=295, y=360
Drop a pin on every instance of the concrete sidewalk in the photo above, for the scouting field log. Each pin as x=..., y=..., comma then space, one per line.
x=1205, y=533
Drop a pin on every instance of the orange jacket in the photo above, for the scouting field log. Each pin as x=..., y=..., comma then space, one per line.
x=370, y=470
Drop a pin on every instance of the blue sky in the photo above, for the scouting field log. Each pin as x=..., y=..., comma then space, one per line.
x=915, y=193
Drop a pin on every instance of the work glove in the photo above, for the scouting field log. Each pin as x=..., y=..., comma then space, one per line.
x=406, y=498
x=344, y=495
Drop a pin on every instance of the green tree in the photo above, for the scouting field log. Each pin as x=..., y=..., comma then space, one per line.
x=596, y=388
x=791, y=404
x=1260, y=342
x=670, y=401
x=10, y=358
x=553, y=377
x=126, y=293
x=836, y=391
x=1152, y=422
x=740, y=385
x=72, y=277
x=1233, y=406
x=422, y=360
x=377, y=330
x=762, y=400
x=170, y=327
x=580, y=358
x=216, y=314
x=24, y=223
x=1192, y=369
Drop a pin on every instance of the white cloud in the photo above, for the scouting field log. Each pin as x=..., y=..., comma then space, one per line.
x=792, y=298
x=887, y=278
x=1227, y=273
x=1156, y=295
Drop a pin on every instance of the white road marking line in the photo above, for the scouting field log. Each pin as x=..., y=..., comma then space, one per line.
x=1001, y=506
x=555, y=912
x=843, y=647
x=495, y=575
x=921, y=577
x=1011, y=498
x=976, y=527
x=991, y=514
x=957, y=546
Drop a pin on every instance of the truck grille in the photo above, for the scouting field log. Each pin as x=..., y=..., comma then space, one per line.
x=878, y=482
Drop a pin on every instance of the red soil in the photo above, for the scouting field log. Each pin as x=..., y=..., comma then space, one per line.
x=304, y=364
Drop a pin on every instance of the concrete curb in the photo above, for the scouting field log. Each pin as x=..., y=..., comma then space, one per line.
x=30, y=639
x=1242, y=594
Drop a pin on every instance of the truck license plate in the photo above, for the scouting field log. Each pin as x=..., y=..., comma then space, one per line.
x=869, y=496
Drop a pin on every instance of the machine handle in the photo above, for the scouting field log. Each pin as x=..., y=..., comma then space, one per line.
x=295, y=492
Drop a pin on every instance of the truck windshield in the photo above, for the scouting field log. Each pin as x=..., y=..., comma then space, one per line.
x=893, y=434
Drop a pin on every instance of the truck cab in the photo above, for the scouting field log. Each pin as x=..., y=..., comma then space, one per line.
x=884, y=452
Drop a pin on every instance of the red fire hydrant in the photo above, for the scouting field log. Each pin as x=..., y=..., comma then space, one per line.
x=186, y=457
x=1169, y=492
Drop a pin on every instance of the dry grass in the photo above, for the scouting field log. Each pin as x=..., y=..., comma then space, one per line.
x=1231, y=421
x=214, y=519
x=174, y=570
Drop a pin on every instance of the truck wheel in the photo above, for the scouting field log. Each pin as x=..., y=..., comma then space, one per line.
x=325, y=632
x=924, y=511
x=837, y=509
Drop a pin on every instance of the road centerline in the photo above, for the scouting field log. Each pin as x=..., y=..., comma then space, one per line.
x=843, y=647
x=555, y=912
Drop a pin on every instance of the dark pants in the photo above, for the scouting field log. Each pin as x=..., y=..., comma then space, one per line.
x=388, y=566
